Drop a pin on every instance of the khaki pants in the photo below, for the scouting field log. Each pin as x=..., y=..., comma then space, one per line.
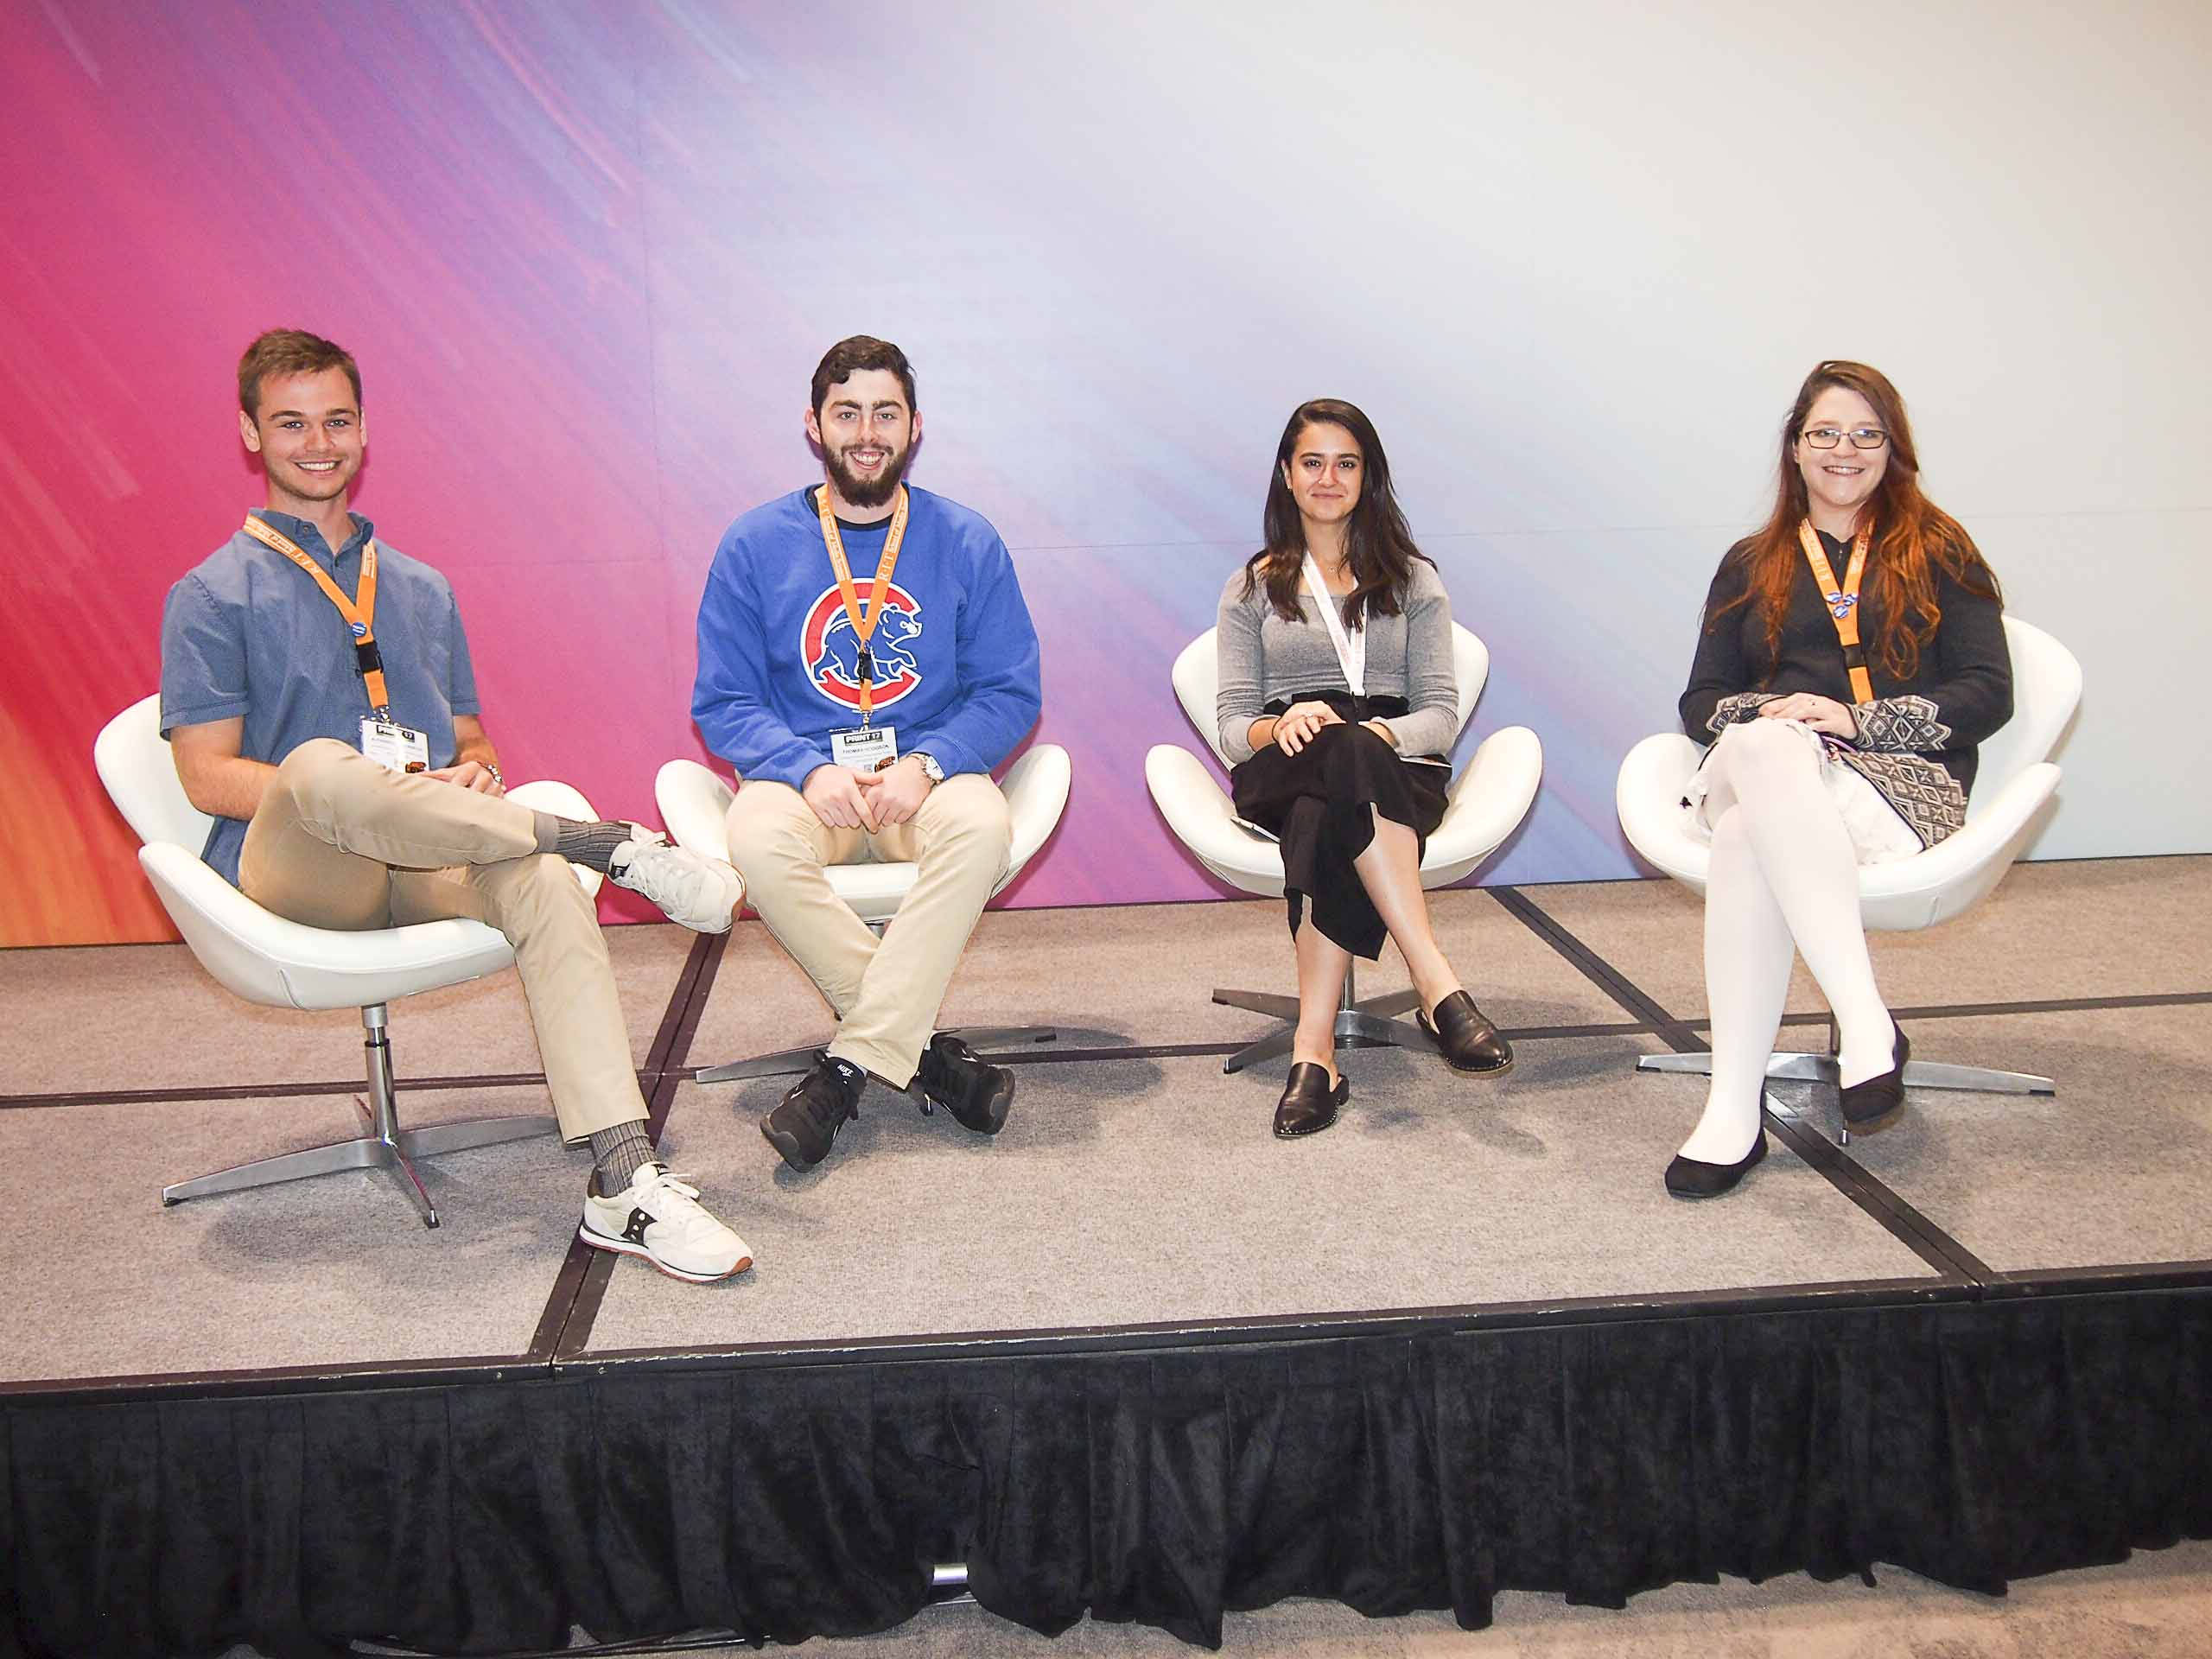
x=885, y=992
x=340, y=842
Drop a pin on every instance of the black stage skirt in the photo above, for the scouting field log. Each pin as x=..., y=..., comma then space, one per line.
x=1317, y=802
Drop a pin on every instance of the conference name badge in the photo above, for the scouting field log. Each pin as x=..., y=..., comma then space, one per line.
x=394, y=746
x=865, y=748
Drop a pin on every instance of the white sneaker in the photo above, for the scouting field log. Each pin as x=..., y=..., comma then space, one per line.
x=703, y=893
x=660, y=1218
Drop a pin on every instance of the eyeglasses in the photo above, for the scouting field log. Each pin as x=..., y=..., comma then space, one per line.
x=1862, y=437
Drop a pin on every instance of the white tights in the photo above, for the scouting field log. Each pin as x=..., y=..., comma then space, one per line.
x=1784, y=875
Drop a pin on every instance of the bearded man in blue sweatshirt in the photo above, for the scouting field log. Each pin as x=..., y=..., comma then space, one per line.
x=865, y=661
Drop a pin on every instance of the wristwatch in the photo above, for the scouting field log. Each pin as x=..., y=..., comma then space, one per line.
x=493, y=767
x=930, y=770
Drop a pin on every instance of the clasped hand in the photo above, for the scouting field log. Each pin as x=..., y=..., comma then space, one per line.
x=470, y=776
x=1296, y=726
x=1822, y=714
x=844, y=799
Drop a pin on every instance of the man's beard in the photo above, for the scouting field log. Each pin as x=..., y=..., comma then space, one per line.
x=867, y=492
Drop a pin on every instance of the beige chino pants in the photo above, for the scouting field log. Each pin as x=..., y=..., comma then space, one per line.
x=885, y=992
x=340, y=842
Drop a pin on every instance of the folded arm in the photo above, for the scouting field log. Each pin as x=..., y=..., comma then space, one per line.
x=217, y=779
x=728, y=697
x=1000, y=692
x=1973, y=698
x=474, y=758
x=1431, y=718
x=1238, y=678
x=1716, y=697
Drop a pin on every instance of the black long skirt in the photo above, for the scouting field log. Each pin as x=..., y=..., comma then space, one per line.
x=1321, y=804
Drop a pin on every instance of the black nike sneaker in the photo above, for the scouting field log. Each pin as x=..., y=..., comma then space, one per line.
x=819, y=1104
x=976, y=1093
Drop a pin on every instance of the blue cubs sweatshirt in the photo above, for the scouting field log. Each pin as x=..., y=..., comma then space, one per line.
x=954, y=652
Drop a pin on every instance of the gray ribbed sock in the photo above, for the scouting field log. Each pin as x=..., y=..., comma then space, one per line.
x=619, y=1153
x=591, y=845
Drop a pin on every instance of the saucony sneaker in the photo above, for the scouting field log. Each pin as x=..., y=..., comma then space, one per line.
x=702, y=893
x=660, y=1218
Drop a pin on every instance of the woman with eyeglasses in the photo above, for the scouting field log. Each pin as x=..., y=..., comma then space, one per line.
x=1851, y=659
x=1337, y=700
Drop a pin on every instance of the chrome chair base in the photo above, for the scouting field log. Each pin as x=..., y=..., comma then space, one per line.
x=1789, y=1066
x=1359, y=1024
x=1821, y=1068
x=387, y=1145
x=984, y=1040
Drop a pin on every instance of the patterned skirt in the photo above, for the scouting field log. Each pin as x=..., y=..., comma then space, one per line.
x=1893, y=805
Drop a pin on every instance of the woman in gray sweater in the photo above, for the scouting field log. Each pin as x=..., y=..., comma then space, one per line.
x=1337, y=704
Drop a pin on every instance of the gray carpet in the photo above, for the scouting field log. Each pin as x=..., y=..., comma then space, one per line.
x=311, y=1273
x=1122, y=1191
x=2112, y=927
x=1131, y=1191
x=2157, y=1604
x=2114, y=1168
x=146, y=1016
x=1147, y=972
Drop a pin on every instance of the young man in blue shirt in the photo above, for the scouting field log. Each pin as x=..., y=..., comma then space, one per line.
x=319, y=701
x=865, y=660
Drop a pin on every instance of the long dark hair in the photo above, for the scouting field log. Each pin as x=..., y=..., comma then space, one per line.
x=1913, y=537
x=1378, y=548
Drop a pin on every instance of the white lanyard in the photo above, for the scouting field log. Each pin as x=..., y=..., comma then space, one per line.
x=1351, y=649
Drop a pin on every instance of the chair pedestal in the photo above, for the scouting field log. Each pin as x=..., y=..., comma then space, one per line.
x=1788, y=1065
x=1367, y=1024
x=387, y=1145
x=1821, y=1068
x=984, y=1040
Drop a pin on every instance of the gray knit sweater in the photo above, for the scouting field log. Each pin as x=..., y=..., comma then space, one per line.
x=1409, y=655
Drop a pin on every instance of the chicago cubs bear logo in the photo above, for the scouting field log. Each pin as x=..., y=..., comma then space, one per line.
x=832, y=650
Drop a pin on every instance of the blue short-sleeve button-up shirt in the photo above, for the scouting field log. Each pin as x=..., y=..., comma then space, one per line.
x=246, y=633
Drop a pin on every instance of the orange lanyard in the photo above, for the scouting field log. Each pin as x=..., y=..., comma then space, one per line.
x=358, y=616
x=1842, y=600
x=863, y=618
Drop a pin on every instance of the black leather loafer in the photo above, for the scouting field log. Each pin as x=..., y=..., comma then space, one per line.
x=1308, y=1105
x=1688, y=1177
x=1875, y=1103
x=1464, y=1032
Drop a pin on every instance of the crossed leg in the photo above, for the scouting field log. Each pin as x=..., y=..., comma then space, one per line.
x=1783, y=878
x=340, y=842
x=1389, y=868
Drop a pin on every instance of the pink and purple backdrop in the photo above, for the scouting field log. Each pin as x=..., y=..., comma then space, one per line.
x=589, y=251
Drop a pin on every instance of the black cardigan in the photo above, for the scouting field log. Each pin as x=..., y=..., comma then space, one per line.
x=1961, y=693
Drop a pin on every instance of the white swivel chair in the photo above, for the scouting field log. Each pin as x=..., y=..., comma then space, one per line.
x=1486, y=803
x=266, y=959
x=694, y=804
x=2011, y=786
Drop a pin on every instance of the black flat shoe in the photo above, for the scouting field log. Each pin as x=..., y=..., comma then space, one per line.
x=1308, y=1105
x=1464, y=1032
x=1875, y=1103
x=1688, y=1177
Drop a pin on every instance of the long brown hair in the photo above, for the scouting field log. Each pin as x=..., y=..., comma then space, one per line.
x=1914, y=538
x=1378, y=547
